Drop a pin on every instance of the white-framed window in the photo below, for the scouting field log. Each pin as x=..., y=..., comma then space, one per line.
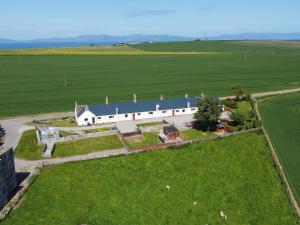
x=139, y=114
x=86, y=119
x=193, y=109
x=126, y=115
x=99, y=117
x=177, y=110
x=111, y=117
x=150, y=113
x=183, y=110
x=164, y=111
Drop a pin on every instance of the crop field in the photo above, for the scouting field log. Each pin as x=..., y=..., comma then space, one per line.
x=234, y=175
x=52, y=82
x=281, y=118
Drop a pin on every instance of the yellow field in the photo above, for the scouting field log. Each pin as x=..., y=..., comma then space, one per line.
x=94, y=50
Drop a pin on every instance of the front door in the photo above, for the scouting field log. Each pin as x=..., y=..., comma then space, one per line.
x=173, y=112
x=93, y=119
x=133, y=116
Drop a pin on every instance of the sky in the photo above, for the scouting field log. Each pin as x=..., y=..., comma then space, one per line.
x=30, y=19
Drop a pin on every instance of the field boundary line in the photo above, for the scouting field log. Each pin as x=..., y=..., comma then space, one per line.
x=279, y=167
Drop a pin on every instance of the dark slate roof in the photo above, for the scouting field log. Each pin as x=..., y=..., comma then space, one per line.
x=142, y=106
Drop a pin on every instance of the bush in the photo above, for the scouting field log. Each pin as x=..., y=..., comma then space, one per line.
x=238, y=118
x=256, y=123
x=249, y=125
x=230, y=103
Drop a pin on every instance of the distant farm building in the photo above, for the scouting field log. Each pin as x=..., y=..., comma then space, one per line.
x=137, y=110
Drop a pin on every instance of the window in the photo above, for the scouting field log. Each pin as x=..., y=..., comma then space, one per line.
x=177, y=110
x=183, y=110
x=150, y=112
x=111, y=117
x=126, y=115
x=99, y=117
x=86, y=119
x=164, y=111
x=139, y=114
x=193, y=109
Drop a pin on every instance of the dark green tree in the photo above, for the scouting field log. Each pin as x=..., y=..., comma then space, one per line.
x=209, y=111
x=238, y=91
x=238, y=118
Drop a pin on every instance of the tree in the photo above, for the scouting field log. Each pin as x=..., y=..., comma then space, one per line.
x=209, y=111
x=238, y=91
x=238, y=117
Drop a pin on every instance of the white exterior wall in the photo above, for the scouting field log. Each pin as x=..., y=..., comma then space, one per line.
x=85, y=118
x=138, y=116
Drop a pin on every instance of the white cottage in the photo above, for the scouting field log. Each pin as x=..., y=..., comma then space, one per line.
x=136, y=110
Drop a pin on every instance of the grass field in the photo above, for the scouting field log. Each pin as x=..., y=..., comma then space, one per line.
x=148, y=138
x=192, y=134
x=36, y=84
x=84, y=146
x=234, y=175
x=281, y=118
x=28, y=147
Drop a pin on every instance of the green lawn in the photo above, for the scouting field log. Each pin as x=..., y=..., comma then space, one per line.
x=244, y=107
x=84, y=146
x=281, y=118
x=234, y=175
x=102, y=129
x=63, y=133
x=192, y=134
x=28, y=147
x=147, y=139
x=70, y=122
x=40, y=80
x=150, y=124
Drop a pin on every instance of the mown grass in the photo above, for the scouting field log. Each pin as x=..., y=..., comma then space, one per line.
x=150, y=124
x=28, y=147
x=95, y=130
x=281, y=118
x=193, y=134
x=147, y=139
x=63, y=133
x=234, y=175
x=36, y=84
x=84, y=146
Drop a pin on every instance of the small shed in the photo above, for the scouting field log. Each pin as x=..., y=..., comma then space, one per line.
x=171, y=132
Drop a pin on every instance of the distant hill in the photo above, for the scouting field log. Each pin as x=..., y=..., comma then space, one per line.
x=105, y=39
x=257, y=36
x=2, y=40
x=140, y=38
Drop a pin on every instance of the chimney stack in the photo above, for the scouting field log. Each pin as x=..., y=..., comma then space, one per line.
x=188, y=104
x=106, y=100
x=186, y=96
x=117, y=110
x=134, y=98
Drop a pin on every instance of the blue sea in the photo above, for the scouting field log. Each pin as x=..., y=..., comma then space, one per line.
x=18, y=45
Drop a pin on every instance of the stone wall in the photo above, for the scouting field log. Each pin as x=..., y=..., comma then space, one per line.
x=8, y=181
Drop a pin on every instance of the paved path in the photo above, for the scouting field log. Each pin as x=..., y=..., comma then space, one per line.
x=15, y=127
x=28, y=165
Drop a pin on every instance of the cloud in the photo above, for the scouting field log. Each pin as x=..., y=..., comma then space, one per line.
x=205, y=8
x=148, y=12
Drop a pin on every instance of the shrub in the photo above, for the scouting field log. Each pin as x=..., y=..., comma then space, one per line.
x=238, y=118
x=256, y=123
x=230, y=103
